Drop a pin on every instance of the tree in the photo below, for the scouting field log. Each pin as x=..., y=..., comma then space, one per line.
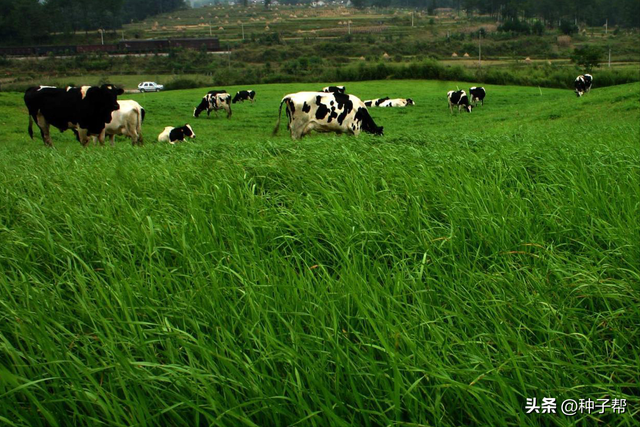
x=587, y=57
x=23, y=21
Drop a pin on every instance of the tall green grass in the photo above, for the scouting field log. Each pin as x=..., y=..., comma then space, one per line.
x=438, y=275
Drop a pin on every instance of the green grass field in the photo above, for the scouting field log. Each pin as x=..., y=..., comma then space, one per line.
x=439, y=275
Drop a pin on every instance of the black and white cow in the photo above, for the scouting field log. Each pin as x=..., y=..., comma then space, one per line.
x=171, y=134
x=397, y=102
x=214, y=101
x=326, y=112
x=243, y=95
x=460, y=99
x=85, y=109
x=583, y=84
x=334, y=89
x=375, y=102
x=477, y=94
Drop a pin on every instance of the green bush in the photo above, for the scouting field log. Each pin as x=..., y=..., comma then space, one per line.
x=183, y=84
x=588, y=57
x=515, y=26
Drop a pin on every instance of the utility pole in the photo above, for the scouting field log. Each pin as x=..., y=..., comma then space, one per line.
x=479, y=50
x=609, y=57
x=101, y=35
x=606, y=26
x=411, y=19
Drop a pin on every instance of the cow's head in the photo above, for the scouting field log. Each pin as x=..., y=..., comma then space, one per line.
x=236, y=98
x=468, y=108
x=97, y=106
x=410, y=101
x=188, y=131
x=204, y=104
x=367, y=123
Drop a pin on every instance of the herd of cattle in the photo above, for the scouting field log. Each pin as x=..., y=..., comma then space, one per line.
x=92, y=111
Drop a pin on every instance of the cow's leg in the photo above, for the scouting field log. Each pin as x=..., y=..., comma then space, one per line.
x=112, y=139
x=83, y=137
x=101, y=136
x=451, y=107
x=44, y=130
x=229, y=112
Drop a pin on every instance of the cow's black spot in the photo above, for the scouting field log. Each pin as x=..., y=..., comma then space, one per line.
x=322, y=110
x=306, y=107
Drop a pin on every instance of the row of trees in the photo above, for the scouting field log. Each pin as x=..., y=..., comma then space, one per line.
x=592, y=12
x=32, y=21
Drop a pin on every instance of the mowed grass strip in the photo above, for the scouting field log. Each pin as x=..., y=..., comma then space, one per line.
x=438, y=275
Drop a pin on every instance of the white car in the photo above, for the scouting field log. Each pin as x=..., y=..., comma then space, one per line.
x=150, y=87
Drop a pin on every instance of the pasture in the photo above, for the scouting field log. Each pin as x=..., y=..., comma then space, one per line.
x=438, y=275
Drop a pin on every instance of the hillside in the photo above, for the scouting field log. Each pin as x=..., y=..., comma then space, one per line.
x=438, y=275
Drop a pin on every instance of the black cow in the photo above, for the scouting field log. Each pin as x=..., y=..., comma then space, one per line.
x=477, y=94
x=334, y=89
x=171, y=134
x=85, y=110
x=583, y=84
x=243, y=95
x=460, y=99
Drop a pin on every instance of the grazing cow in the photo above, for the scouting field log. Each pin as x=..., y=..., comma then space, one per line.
x=397, y=102
x=583, y=84
x=334, y=89
x=126, y=121
x=375, y=102
x=326, y=112
x=477, y=94
x=460, y=99
x=243, y=95
x=86, y=109
x=171, y=134
x=214, y=101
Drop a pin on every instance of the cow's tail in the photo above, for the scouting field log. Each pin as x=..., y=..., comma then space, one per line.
x=275, y=130
x=139, y=121
x=30, y=128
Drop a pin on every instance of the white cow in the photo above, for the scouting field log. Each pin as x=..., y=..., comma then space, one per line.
x=126, y=121
x=326, y=112
x=172, y=134
x=397, y=102
x=214, y=101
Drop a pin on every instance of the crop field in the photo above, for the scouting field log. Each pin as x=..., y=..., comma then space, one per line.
x=439, y=275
